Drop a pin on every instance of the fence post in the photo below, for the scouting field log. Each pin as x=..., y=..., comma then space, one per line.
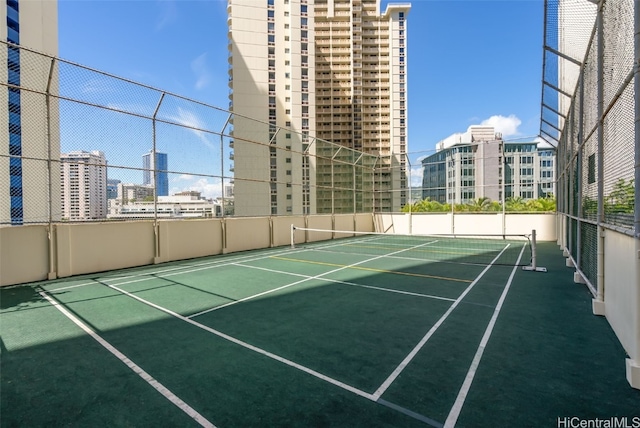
x=153, y=159
x=50, y=233
x=222, y=199
x=636, y=81
x=600, y=111
x=633, y=363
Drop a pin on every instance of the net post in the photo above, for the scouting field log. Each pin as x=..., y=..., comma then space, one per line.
x=293, y=243
x=534, y=253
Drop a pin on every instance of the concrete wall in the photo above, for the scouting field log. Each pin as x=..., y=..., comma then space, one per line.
x=189, y=239
x=97, y=247
x=622, y=294
x=24, y=254
x=27, y=254
x=469, y=224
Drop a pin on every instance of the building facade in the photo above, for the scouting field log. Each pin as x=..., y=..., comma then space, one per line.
x=84, y=185
x=325, y=70
x=129, y=192
x=31, y=24
x=112, y=188
x=188, y=204
x=160, y=164
x=480, y=164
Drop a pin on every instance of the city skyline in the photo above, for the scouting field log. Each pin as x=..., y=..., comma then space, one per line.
x=475, y=62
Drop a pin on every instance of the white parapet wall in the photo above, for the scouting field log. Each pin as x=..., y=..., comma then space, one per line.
x=622, y=295
x=24, y=254
x=38, y=252
x=469, y=224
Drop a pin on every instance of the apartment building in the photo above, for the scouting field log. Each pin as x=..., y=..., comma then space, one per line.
x=480, y=164
x=84, y=185
x=31, y=24
x=322, y=70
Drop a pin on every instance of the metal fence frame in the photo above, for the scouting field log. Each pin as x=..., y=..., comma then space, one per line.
x=590, y=111
x=51, y=84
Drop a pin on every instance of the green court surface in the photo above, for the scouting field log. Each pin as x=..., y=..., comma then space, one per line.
x=348, y=334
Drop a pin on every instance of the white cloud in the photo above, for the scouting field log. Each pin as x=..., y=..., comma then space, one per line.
x=508, y=125
x=192, y=122
x=201, y=71
x=208, y=187
x=416, y=176
x=168, y=14
x=183, y=177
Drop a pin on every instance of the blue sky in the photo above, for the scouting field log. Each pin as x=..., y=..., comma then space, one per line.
x=469, y=62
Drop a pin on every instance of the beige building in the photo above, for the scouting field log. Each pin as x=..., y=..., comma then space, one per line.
x=32, y=24
x=335, y=70
x=83, y=176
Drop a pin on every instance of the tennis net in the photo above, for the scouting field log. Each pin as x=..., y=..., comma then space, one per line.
x=445, y=248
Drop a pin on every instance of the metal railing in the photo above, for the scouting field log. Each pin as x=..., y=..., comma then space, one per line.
x=90, y=146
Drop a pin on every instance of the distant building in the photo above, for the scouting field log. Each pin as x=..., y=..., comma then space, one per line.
x=189, y=204
x=134, y=192
x=112, y=188
x=84, y=185
x=160, y=164
x=228, y=191
x=479, y=164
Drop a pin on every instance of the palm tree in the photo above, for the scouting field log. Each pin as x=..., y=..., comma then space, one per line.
x=480, y=204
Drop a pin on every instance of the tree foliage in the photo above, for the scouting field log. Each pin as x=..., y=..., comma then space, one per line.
x=484, y=204
x=621, y=200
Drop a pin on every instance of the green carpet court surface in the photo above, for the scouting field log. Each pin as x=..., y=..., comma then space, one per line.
x=331, y=335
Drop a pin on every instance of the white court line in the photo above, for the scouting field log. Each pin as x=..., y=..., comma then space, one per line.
x=393, y=376
x=419, y=259
x=283, y=360
x=336, y=281
x=235, y=302
x=245, y=344
x=206, y=265
x=133, y=366
x=466, y=385
x=212, y=264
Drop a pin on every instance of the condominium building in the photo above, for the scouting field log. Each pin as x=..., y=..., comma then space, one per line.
x=31, y=24
x=84, y=185
x=129, y=192
x=480, y=164
x=157, y=164
x=321, y=70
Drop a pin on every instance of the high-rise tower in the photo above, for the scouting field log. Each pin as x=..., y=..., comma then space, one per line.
x=160, y=164
x=32, y=24
x=335, y=70
x=84, y=185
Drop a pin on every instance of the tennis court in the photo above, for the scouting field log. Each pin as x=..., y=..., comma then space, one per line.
x=357, y=331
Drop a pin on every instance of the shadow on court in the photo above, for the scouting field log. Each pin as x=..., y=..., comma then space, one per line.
x=548, y=356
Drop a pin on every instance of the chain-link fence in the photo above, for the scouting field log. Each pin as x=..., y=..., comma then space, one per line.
x=88, y=146
x=588, y=106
